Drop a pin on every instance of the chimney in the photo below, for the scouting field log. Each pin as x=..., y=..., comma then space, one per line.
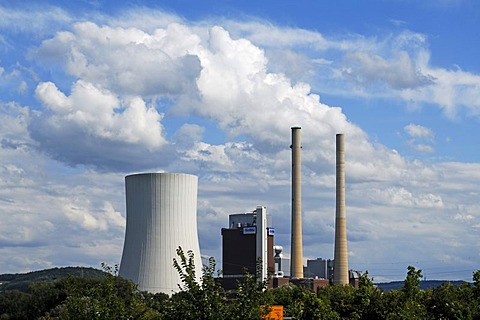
x=340, y=267
x=296, y=262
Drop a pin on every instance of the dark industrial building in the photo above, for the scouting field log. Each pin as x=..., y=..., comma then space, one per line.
x=247, y=242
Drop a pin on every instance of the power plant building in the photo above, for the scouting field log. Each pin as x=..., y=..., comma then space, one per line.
x=248, y=240
x=161, y=216
x=319, y=268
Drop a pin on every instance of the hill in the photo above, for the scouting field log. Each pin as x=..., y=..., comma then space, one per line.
x=427, y=284
x=21, y=281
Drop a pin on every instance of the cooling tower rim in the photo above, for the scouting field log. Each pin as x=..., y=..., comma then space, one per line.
x=160, y=174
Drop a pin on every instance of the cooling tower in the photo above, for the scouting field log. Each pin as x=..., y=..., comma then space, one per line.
x=340, y=267
x=296, y=262
x=161, y=216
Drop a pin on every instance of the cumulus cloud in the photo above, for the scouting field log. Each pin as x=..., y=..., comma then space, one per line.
x=79, y=128
x=397, y=65
x=102, y=114
x=230, y=87
x=128, y=60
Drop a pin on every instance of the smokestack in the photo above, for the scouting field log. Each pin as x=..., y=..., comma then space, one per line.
x=340, y=266
x=296, y=262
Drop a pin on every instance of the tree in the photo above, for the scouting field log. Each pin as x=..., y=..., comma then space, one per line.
x=290, y=297
x=409, y=302
x=367, y=298
x=111, y=298
x=250, y=300
x=204, y=300
x=411, y=285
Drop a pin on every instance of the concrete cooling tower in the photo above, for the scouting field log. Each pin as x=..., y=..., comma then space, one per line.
x=161, y=216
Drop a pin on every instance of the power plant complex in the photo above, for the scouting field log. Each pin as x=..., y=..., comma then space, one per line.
x=161, y=213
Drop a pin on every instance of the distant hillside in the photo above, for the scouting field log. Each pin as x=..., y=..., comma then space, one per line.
x=21, y=281
x=428, y=284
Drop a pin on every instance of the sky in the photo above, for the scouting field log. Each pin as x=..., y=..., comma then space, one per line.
x=91, y=91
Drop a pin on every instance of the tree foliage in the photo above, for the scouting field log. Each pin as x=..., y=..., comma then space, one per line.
x=202, y=297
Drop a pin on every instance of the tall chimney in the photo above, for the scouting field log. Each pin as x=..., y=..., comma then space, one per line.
x=296, y=262
x=340, y=266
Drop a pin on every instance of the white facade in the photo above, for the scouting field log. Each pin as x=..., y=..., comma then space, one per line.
x=262, y=240
x=161, y=216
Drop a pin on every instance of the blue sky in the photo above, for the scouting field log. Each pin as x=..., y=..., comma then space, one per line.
x=91, y=91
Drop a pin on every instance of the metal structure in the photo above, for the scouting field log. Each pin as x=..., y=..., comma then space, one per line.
x=296, y=262
x=340, y=269
x=161, y=216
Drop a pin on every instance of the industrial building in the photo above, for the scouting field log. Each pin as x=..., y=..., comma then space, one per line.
x=282, y=264
x=161, y=216
x=248, y=241
x=319, y=268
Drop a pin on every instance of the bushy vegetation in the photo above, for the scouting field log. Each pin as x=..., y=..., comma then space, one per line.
x=113, y=297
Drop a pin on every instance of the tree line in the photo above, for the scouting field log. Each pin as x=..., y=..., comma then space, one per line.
x=113, y=297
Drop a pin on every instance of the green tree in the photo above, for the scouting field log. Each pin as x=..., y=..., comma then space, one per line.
x=411, y=285
x=111, y=298
x=342, y=300
x=291, y=298
x=16, y=305
x=302, y=303
x=196, y=300
x=408, y=302
x=448, y=301
x=367, y=299
x=250, y=300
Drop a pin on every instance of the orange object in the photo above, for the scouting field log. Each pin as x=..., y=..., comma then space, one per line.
x=276, y=313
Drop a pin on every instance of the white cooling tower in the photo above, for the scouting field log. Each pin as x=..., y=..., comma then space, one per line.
x=161, y=216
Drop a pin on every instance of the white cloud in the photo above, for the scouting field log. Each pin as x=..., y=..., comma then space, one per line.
x=418, y=135
x=187, y=135
x=125, y=89
x=424, y=148
x=22, y=87
x=466, y=218
x=418, y=131
x=399, y=73
x=395, y=66
x=404, y=198
x=37, y=19
x=128, y=60
x=78, y=212
x=92, y=116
